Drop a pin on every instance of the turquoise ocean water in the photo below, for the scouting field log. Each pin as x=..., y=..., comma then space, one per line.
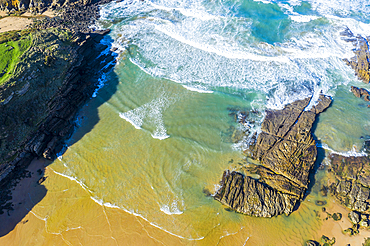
x=165, y=133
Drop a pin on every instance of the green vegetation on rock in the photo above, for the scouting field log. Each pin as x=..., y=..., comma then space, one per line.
x=367, y=242
x=35, y=64
x=12, y=47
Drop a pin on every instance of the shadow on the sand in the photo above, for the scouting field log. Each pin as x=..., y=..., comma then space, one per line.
x=24, y=188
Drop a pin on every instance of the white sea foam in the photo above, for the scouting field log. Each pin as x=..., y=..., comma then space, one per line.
x=107, y=204
x=171, y=209
x=132, y=118
x=101, y=203
x=193, y=88
x=183, y=53
x=73, y=179
x=350, y=153
x=152, y=114
x=303, y=18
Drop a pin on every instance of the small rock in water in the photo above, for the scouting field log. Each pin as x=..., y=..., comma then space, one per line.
x=327, y=241
x=337, y=216
x=207, y=192
x=312, y=243
x=320, y=203
x=324, y=190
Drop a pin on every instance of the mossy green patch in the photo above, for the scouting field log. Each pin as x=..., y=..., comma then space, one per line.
x=367, y=242
x=11, y=49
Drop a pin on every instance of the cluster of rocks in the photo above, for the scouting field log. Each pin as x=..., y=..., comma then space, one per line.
x=286, y=152
x=360, y=62
x=351, y=187
x=38, y=6
x=361, y=93
x=76, y=17
x=324, y=240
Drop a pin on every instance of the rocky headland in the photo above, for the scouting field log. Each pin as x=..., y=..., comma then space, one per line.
x=286, y=152
x=57, y=72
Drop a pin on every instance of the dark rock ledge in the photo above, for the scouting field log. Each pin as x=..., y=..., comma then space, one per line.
x=57, y=123
x=55, y=77
x=286, y=152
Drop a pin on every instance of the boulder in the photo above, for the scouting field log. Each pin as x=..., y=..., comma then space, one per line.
x=354, y=217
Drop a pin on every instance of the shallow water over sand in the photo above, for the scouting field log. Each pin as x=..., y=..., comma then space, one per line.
x=135, y=169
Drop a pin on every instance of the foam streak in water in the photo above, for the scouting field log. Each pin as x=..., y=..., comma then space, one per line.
x=150, y=113
x=350, y=153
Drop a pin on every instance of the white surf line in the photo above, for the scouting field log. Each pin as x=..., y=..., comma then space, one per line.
x=122, y=208
x=190, y=88
x=229, y=234
x=346, y=154
x=246, y=241
x=229, y=53
x=141, y=216
x=195, y=12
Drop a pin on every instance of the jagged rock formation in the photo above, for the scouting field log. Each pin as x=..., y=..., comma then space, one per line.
x=352, y=184
x=55, y=77
x=360, y=62
x=76, y=17
x=286, y=151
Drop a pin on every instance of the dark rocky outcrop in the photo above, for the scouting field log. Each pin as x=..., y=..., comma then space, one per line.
x=45, y=98
x=76, y=17
x=286, y=152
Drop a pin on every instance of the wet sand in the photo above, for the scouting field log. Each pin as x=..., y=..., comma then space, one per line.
x=75, y=219
x=65, y=214
x=24, y=196
x=331, y=228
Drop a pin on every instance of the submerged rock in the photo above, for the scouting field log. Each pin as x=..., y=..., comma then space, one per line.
x=327, y=241
x=361, y=92
x=286, y=151
x=312, y=243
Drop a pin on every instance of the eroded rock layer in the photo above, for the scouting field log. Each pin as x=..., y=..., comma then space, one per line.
x=286, y=152
x=53, y=80
x=352, y=181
